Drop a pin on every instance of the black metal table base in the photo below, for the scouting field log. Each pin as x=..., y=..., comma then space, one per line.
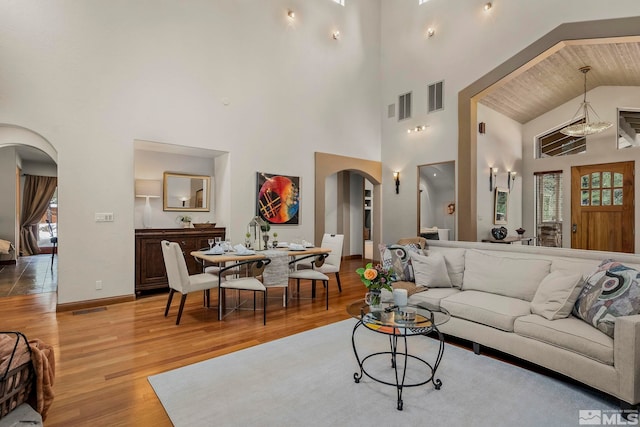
x=393, y=353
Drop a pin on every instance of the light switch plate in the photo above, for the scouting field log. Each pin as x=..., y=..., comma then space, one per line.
x=104, y=217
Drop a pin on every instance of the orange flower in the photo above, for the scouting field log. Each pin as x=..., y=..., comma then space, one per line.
x=370, y=274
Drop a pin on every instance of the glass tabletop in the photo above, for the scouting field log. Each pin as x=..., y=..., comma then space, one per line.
x=413, y=316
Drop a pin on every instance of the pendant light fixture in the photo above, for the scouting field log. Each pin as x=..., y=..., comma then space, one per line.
x=586, y=126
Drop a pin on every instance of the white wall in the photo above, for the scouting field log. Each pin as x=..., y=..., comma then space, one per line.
x=356, y=211
x=500, y=147
x=468, y=43
x=601, y=148
x=232, y=75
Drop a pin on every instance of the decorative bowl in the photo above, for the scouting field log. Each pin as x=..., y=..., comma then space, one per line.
x=499, y=233
x=204, y=225
x=520, y=231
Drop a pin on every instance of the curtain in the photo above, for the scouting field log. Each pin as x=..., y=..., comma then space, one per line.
x=36, y=196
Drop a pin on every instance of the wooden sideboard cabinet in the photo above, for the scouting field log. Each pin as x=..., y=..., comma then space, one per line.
x=150, y=271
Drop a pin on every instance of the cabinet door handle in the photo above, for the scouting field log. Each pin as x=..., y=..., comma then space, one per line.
x=574, y=228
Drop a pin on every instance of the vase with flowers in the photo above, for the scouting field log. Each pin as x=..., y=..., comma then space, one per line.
x=375, y=279
x=185, y=220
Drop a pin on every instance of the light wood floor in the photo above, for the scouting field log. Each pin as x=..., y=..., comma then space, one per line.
x=104, y=356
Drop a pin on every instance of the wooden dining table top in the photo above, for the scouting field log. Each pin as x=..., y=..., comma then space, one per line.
x=234, y=257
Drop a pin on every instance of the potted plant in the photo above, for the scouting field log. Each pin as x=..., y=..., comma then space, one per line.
x=275, y=239
x=185, y=220
x=247, y=240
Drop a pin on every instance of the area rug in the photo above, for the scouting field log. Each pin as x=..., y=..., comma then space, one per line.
x=307, y=380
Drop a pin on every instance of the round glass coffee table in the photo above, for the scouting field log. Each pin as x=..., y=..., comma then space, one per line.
x=398, y=325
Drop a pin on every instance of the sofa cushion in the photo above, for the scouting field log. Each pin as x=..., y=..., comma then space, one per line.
x=493, y=310
x=430, y=271
x=431, y=298
x=397, y=258
x=557, y=294
x=454, y=260
x=570, y=333
x=510, y=277
x=613, y=290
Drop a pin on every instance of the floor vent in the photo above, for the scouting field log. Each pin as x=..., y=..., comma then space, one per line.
x=89, y=310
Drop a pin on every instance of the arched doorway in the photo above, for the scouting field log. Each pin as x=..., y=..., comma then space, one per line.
x=24, y=152
x=329, y=164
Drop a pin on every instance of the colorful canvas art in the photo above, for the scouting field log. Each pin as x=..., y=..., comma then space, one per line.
x=278, y=198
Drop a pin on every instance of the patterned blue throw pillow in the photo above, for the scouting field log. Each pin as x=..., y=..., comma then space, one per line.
x=613, y=290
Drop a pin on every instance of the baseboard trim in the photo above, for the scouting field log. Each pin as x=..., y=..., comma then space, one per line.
x=357, y=256
x=83, y=305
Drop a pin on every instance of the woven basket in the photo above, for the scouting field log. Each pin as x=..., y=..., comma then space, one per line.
x=15, y=384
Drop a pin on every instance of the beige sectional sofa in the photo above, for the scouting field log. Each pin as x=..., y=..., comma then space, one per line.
x=493, y=301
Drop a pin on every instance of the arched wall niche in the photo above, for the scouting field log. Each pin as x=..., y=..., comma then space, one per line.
x=329, y=164
x=468, y=99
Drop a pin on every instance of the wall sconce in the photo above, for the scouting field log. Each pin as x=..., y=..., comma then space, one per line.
x=511, y=177
x=335, y=35
x=417, y=129
x=291, y=14
x=482, y=127
x=487, y=6
x=430, y=32
x=492, y=177
x=396, y=178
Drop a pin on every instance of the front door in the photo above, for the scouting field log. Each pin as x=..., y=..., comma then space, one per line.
x=602, y=207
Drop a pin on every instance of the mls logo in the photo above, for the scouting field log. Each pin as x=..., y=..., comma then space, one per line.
x=590, y=417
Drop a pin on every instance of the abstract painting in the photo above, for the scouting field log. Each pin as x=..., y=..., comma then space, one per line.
x=278, y=199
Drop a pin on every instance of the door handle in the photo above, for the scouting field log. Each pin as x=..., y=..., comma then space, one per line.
x=574, y=228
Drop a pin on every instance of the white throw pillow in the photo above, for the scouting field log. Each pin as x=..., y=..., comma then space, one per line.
x=503, y=275
x=454, y=260
x=430, y=271
x=557, y=294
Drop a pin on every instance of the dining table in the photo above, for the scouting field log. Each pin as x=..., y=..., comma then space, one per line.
x=232, y=256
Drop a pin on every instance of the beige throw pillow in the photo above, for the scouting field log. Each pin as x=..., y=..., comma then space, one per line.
x=430, y=271
x=557, y=294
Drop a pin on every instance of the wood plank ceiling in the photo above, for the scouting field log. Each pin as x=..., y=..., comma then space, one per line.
x=553, y=79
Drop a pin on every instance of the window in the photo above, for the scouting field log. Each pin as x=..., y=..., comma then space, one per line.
x=404, y=106
x=436, y=96
x=555, y=144
x=48, y=224
x=340, y=2
x=549, y=208
x=422, y=2
x=601, y=189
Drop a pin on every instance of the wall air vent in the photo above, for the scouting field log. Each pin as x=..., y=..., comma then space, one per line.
x=404, y=106
x=436, y=97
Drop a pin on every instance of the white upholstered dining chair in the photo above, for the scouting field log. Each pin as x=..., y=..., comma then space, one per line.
x=179, y=278
x=248, y=280
x=334, y=242
x=311, y=274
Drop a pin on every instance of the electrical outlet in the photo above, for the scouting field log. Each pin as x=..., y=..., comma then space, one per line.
x=98, y=284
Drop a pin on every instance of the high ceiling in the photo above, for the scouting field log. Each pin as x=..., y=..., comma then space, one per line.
x=553, y=78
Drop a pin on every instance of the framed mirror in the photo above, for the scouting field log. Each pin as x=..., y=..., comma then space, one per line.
x=183, y=192
x=501, y=205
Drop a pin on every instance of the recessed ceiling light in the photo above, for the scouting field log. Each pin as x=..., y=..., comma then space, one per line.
x=487, y=6
x=291, y=14
x=430, y=32
x=336, y=35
